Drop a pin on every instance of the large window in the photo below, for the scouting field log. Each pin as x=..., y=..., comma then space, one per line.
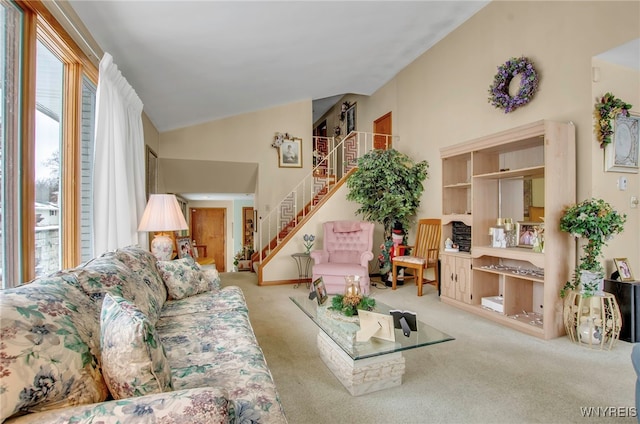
x=48, y=160
x=46, y=149
x=11, y=29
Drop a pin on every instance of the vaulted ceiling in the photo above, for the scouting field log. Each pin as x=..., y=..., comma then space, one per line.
x=196, y=61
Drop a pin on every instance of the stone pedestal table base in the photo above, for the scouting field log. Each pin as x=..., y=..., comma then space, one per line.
x=364, y=375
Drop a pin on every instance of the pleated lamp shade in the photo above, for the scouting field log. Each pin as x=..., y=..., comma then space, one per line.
x=162, y=213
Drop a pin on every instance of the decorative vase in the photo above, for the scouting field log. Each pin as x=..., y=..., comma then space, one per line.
x=588, y=332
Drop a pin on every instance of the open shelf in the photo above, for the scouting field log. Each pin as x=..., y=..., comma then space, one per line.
x=507, y=321
x=533, y=171
x=494, y=177
x=512, y=273
x=458, y=186
x=515, y=253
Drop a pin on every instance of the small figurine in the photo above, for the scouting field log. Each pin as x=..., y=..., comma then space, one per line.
x=448, y=243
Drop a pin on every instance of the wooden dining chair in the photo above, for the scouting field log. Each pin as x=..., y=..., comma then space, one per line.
x=424, y=255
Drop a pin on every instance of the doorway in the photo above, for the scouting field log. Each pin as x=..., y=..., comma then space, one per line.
x=208, y=229
x=382, y=128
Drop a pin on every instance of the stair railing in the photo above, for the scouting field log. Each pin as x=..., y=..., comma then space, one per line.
x=304, y=197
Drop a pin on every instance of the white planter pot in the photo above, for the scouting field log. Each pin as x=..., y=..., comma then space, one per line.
x=593, y=280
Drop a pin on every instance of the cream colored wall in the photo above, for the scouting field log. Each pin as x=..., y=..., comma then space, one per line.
x=151, y=134
x=332, y=116
x=441, y=98
x=247, y=138
x=625, y=84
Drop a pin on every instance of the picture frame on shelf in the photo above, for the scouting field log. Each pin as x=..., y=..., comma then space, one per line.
x=374, y=324
x=290, y=153
x=526, y=233
x=183, y=245
x=622, y=154
x=321, y=291
x=624, y=270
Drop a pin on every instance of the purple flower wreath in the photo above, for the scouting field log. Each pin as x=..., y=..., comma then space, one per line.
x=499, y=90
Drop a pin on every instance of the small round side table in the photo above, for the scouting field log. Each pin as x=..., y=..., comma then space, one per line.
x=303, y=261
x=592, y=321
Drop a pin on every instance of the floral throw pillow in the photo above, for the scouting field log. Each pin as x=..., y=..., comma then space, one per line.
x=134, y=362
x=183, y=278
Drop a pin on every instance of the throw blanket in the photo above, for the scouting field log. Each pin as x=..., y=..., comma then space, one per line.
x=346, y=226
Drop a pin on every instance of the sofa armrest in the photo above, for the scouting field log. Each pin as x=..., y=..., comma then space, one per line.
x=205, y=405
x=319, y=256
x=365, y=257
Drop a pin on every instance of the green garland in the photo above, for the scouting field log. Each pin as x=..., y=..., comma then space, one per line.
x=605, y=113
x=367, y=303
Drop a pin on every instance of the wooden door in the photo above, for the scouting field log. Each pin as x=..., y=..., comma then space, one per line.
x=208, y=229
x=381, y=127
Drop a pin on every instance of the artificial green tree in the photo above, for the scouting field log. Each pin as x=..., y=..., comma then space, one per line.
x=388, y=185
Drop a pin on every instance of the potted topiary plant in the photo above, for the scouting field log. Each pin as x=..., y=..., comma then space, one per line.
x=597, y=222
x=388, y=185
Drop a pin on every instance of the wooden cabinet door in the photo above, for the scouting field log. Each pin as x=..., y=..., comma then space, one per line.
x=447, y=275
x=463, y=280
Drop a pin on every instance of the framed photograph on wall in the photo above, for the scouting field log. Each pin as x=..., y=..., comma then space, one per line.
x=183, y=245
x=290, y=153
x=151, y=168
x=526, y=233
x=351, y=119
x=624, y=270
x=621, y=155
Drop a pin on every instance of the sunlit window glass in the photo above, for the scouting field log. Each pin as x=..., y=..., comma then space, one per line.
x=48, y=160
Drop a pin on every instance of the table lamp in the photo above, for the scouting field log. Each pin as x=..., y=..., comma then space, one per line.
x=162, y=214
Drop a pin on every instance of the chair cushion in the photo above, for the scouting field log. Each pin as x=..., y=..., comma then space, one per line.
x=340, y=269
x=409, y=259
x=134, y=362
x=345, y=256
x=183, y=278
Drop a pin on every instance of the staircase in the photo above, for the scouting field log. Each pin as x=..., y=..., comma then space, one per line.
x=329, y=172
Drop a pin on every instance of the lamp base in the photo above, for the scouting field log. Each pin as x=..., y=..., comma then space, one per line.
x=162, y=247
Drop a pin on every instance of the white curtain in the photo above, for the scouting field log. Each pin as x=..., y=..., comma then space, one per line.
x=118, y=179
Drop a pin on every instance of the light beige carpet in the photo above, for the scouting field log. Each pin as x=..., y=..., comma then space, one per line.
x=489, y=374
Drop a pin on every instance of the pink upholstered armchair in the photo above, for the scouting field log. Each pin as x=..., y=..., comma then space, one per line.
x=347, y=250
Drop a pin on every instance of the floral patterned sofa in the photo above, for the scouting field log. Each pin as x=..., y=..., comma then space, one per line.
x=125, y=338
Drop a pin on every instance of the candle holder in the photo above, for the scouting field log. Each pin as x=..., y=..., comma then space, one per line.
x=352, y=299
x=352, y=291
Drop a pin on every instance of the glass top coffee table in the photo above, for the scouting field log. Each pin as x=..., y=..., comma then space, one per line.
x=363, y=367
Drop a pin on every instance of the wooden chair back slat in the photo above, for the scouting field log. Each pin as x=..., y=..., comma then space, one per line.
x=428, y=239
